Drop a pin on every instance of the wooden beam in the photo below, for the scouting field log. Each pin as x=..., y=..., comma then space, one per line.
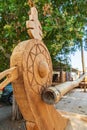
x=52, y=95
x=10, y=74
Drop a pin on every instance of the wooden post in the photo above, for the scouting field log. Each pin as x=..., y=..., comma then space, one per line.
x=82, y=56
x=16, y=114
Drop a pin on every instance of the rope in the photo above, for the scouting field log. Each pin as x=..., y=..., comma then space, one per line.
x=31, y=3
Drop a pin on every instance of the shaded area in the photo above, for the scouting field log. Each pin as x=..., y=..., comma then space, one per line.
x=6, y=122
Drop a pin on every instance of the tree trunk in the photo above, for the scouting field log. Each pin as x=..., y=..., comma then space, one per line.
x=16, y=114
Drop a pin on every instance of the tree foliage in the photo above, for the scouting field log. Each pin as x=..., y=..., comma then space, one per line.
x=13, y=15
x=63, y=25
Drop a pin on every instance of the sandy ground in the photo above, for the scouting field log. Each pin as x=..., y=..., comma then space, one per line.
x=75, y=101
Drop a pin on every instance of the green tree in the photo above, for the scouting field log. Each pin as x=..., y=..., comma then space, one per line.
x=63, y=25
x=13, y=16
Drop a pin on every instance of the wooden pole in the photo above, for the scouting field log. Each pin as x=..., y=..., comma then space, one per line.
x=52, y=95
x=82, y=56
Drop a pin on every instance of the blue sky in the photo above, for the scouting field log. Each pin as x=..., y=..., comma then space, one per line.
x=76, y=60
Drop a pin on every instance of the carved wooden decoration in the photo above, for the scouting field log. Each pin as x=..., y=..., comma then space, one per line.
x=35, y=73
x=34, y=65
x=31, y=73
x=10, y=74
x=33, y=25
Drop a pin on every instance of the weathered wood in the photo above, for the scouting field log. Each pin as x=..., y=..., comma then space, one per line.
x=52, y=95
x=16, y=114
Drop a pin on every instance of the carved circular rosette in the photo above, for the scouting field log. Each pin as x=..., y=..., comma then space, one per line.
x=37, y=65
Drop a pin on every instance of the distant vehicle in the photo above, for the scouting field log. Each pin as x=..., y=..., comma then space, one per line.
x=7, y=94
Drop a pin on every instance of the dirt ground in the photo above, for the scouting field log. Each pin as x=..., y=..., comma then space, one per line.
x=6, y=122
x=75, y=101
